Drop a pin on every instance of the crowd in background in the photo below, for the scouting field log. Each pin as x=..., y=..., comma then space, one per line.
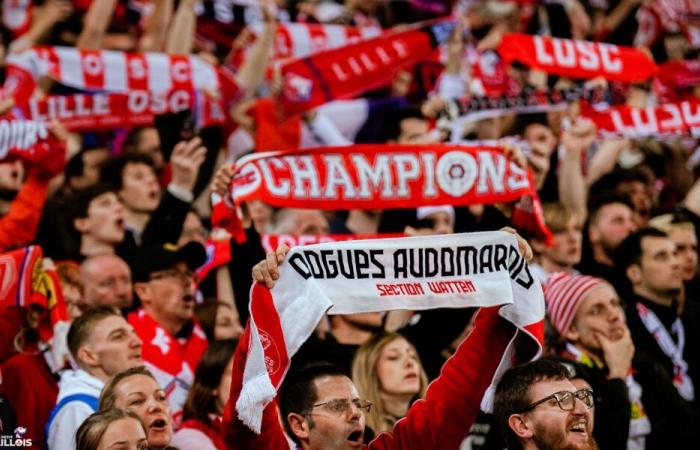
x=145, y=342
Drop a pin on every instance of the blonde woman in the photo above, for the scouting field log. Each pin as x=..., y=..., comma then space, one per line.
x=111, y=429
x=387, y=372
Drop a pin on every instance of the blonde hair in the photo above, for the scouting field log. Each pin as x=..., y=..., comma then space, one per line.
x=670, y=222
x=90, y=432
x=556, y=216
x=364, y=375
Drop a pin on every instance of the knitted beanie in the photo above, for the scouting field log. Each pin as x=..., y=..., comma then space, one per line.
x=563, y=294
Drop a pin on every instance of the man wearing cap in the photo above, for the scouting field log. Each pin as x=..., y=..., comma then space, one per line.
x=639, y=407
x=173, y=342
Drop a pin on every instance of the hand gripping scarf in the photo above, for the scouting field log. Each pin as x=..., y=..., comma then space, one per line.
x=577, y=59
x=420, y=273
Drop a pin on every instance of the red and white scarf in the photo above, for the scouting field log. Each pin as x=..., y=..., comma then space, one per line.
x=387, y=176
x=17, y=16
x=672, y=349
x=676, y=75
x=109, y=110
x=577, y=59
x=669, y=118
x=112, y=71
x=354, y=69
x=455, y=271
x=21, y=137
x=298, y=40
x=667, y=16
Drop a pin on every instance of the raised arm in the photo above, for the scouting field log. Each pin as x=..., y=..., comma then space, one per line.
x=156, y=26
x=181, y=33
x=95, y=26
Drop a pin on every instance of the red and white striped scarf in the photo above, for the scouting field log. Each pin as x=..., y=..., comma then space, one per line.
x=457, y=271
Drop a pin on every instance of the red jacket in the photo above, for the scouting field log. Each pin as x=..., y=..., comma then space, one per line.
x=442, y=420
x=18, y=227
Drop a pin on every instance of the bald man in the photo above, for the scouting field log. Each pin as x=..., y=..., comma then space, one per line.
x=107, y=281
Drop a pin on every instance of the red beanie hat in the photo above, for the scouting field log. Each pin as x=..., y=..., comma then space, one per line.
x=563, y=294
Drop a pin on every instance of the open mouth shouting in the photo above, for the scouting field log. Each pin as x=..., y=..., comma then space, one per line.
x=356, y=438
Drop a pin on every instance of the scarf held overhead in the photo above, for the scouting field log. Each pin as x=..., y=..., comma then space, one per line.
x=354, y=69
x=386, y=176
x=669, y=118
x=577, y=59
x=454, y=271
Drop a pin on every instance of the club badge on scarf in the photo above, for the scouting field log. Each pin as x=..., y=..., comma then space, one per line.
x=454, y=271
x=577, y=59
x=669, y=118
x=354, y=69
x=385, y=176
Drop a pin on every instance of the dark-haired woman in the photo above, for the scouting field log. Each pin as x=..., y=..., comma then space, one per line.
x=207, y=399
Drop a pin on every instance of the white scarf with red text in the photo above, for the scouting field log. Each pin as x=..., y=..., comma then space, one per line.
x=418, y=273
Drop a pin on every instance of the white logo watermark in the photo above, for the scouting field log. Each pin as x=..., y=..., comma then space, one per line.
x=17, y=440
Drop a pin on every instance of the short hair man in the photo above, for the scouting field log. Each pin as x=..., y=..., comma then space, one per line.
x=661, y=325
x=106, y=281
x=565, y=250
x=102, y=344
x=610, y=221
x=682, y=232
x=641, y=407
x=173, y=341
x=539, y=408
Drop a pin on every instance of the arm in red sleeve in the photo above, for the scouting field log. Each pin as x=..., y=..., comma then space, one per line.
x=237, y=435
x=444, y=417
x=18, y=227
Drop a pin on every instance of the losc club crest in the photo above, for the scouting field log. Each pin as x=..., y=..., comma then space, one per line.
x=246, y=180
x=297, y=88
x=456, y=173
x=272, y=354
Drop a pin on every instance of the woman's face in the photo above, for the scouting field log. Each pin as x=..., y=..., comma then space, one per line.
x=398, y=369
x=143, y=396
x=224, y=388
x=124, y=434
x=226, y=325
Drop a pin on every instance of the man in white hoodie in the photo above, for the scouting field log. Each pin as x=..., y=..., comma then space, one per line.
x=102, y=343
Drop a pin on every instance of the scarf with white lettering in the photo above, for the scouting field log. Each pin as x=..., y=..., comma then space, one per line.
x=577, y=59
x=389, y=176
x=672, y=349
x=351, y=70
x=660, y=17
x=110, y=110
x=669, y=118
x=453, y=271
x=32, y=142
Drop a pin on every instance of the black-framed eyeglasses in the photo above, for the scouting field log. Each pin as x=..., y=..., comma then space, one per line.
x=341, y=406
x=565, y=399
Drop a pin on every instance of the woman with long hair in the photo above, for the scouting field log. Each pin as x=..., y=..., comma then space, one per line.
x=136, y=390
x=111, y=429
x=207, y=398
x=387, y=371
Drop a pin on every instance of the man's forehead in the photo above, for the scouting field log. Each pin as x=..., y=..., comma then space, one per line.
x=655, y=244
x=545, y=388
x=334, y=386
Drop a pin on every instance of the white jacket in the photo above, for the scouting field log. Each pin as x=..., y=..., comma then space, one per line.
x=61, y=434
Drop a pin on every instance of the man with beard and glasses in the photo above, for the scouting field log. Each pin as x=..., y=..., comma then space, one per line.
x=173, y=341
x=640, y=408
x=539, y=408
x=662, y=326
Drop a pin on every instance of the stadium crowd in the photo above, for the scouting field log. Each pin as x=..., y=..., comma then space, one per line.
x=164, y=164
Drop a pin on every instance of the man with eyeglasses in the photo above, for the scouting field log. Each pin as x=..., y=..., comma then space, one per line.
x=640, y=408
x=539, y=408
x=173, y=342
